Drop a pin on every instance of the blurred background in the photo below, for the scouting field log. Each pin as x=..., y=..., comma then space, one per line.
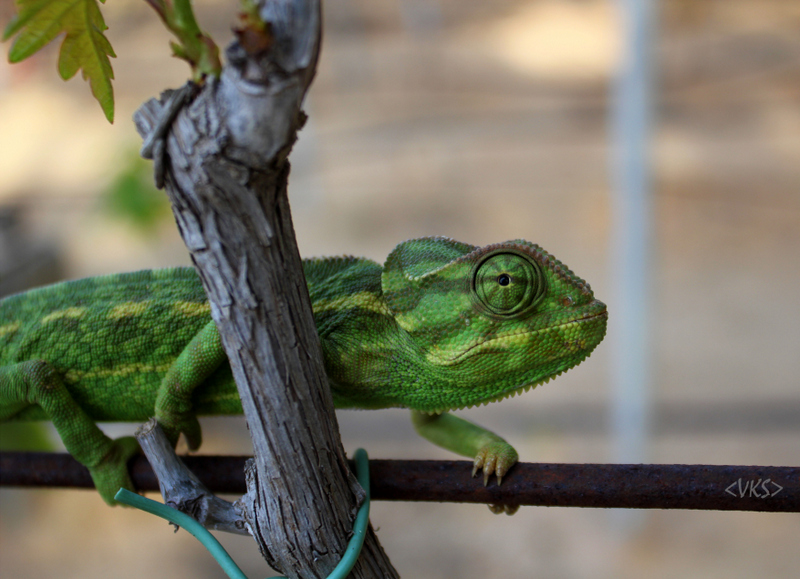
x=483, y=121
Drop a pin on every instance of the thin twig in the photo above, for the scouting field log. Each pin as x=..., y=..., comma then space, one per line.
x=181, y=488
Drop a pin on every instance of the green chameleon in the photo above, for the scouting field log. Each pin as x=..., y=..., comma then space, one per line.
x=443, y=325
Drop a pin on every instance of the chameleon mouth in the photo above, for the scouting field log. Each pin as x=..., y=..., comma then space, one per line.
x=593, y=312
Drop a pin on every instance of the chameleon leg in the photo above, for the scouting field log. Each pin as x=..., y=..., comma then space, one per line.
x=490, y=452
x=194, y=365
x=36, y=382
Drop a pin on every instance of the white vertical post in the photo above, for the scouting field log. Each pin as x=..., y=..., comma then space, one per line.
x=629, y=321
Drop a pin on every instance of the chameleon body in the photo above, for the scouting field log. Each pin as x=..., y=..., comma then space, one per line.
x=442, y=325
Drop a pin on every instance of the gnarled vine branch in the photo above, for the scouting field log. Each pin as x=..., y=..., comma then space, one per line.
x=225, y=170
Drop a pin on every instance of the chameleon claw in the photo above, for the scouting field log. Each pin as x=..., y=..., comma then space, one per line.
x=486, y=465
x=486, y=474
x=495, y=459
x=489, y=467
x=477, y=465
x=500, y=470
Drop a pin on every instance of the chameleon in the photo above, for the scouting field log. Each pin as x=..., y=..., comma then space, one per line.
x=441, y=326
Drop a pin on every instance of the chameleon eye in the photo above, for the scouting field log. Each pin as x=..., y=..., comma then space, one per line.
x=508, y=283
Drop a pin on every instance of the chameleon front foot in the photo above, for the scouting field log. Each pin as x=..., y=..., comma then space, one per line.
x=111, y=473
x=186, y=424
x=494, y=458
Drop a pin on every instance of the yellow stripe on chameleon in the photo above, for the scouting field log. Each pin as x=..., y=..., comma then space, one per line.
x=9, y=329
x=192, y=308
x=364, y=300
x=119, y=371
x=128, y=310
x=60, y=314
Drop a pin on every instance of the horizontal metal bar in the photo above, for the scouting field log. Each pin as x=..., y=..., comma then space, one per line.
x=638, y=486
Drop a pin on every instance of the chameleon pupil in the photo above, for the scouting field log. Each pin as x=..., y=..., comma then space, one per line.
x=503, y=279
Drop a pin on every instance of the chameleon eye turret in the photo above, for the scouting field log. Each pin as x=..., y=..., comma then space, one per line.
x=507, y=284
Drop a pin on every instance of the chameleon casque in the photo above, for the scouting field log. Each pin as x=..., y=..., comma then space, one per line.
x=441, y=326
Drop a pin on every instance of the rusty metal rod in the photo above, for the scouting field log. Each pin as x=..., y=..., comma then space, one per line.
x=645, y=486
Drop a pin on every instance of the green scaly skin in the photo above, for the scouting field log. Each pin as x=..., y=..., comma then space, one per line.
x=441, y=326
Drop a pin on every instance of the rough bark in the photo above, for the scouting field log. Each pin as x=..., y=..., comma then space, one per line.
x=225, y=171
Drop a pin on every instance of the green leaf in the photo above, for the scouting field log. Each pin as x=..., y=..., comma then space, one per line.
x=85, y=47
x=131, y=197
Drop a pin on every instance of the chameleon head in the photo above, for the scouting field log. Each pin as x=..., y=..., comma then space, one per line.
x=490, y=322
